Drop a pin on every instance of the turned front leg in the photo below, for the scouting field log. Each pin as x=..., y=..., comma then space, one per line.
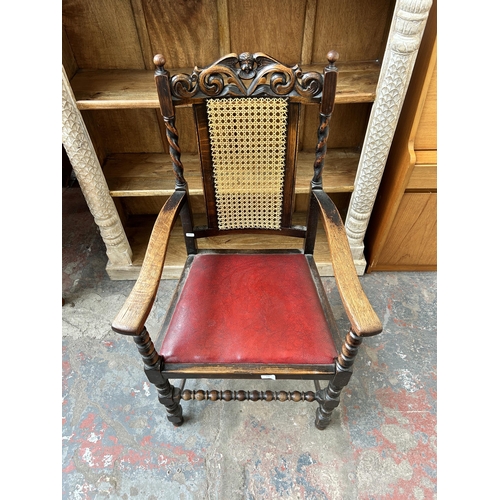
x=329, y=398
x=168, y=395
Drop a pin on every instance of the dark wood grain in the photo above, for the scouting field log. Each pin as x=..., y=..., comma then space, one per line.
x=201, y=120
x=325, y=113
x=290, y=164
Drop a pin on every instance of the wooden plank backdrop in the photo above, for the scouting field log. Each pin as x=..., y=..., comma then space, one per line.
x=357, y=29
x=126, y=34
x=102, y=34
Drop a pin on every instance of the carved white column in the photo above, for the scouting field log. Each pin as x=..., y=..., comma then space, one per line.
x=408, y=23
x=83, y=158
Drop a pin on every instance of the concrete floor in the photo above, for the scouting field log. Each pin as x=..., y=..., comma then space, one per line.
x=118, y=444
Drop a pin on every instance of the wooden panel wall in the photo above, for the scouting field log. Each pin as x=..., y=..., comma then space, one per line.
x=255, y=26
x=185, y=31
x=126, y=34
x=357, y=29
x=102, y=34
x=116, y=34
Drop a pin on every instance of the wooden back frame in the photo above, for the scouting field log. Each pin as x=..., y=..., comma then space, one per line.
x=247, y=75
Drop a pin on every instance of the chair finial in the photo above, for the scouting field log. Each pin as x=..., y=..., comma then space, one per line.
x=159, y=60
x=332, y=57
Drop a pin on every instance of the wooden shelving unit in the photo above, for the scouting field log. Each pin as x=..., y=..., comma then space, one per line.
x=113, y=132
x=115, y=89
x=150, y=175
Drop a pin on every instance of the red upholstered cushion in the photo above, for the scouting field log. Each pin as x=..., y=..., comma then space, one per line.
x=258, y=308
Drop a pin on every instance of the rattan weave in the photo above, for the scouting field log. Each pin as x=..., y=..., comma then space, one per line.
x=248, y=143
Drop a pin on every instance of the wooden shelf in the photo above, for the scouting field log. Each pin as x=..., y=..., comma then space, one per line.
x=423, y=179
x=113, y=89
x=146, y=175
x=139, y=230
x=150, y=174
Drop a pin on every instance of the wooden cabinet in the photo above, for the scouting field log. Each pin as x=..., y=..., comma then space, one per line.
x=111, y=110
x=402, y=234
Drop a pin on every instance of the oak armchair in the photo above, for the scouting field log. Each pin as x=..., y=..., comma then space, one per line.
x=248, y=314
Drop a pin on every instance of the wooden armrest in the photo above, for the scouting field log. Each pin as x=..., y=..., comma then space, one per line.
x=363, y=318
x=132, y=316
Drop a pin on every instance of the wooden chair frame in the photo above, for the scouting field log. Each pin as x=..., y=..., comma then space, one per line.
x=243, y=76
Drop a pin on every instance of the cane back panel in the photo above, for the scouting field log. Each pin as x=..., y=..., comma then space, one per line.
x=248, y=146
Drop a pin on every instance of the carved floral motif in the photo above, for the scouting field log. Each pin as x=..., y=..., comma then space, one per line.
x=245, y=75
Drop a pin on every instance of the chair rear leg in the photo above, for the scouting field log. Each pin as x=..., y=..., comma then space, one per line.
x=329, y=398
x=168, y=395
